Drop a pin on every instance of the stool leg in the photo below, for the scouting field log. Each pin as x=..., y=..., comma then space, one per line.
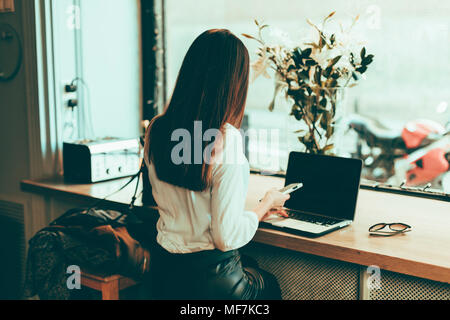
x=110, y=290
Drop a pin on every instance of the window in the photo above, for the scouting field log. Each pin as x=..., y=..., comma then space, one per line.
x=98, y=43
x=408, y=80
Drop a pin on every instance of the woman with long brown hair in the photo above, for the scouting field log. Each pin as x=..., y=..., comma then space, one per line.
x=199, y=177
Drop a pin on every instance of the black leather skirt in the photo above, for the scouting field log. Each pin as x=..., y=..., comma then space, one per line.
x=208, y=275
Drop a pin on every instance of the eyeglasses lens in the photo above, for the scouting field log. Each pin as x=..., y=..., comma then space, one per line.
x=377, y=227
x=398, y=227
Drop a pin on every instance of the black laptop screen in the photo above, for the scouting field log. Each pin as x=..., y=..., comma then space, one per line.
x=330, y=184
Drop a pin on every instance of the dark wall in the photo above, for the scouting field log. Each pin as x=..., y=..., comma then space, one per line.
x=13, y=120
x=14, y=166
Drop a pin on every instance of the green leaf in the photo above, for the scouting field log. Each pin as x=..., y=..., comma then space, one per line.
x=291, y=67
x=303, y=75
x=297, y=57
x=277, y=90
x=334, y=61
x=306, y=53
x=333, y=39
x=335, y=75
x=333, y=83
x=311, y=24
x=324, y=121
x=328, y=147
x=314, y=110
x=249, y=36
x=318, y=76
x=297, y=112
x=352, y=60
x=310, y=62
x=330, y=131
x=322, y=41
x=363, y=53
x=272, y=105
x=327, y=72
x=367, y=60
x=362, y=69
x=329, y=16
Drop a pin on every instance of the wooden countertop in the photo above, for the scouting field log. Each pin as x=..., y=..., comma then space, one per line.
x=424, y=252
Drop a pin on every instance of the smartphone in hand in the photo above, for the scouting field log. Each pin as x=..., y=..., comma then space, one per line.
x=291, y=188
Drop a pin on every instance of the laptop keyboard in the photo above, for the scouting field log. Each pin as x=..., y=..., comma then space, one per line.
x=324, y=221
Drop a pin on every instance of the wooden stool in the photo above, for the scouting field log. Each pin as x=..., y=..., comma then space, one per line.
x=109, y=286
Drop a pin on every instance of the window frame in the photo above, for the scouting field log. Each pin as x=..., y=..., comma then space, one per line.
x=153, y=57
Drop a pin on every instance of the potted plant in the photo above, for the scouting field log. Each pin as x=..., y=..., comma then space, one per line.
x=313, y=76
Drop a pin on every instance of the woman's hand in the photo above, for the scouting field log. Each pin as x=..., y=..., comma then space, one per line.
x=273, y=200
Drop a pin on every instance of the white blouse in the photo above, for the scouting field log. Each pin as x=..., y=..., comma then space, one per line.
x=193, y=221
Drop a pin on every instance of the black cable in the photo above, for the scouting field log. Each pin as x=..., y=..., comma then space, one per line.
x=89, y=106
x=120, y=189
x=133, y=199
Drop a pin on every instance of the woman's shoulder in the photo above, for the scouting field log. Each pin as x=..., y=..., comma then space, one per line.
x=231, y=148
x=233, y=138
x=229, y=126
x=232, y=131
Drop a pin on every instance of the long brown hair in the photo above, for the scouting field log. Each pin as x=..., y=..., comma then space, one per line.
x=211, y=88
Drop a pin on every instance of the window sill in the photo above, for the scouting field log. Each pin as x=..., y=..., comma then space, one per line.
x=379, y=187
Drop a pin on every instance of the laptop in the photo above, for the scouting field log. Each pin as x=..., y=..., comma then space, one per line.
x=327, y=200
